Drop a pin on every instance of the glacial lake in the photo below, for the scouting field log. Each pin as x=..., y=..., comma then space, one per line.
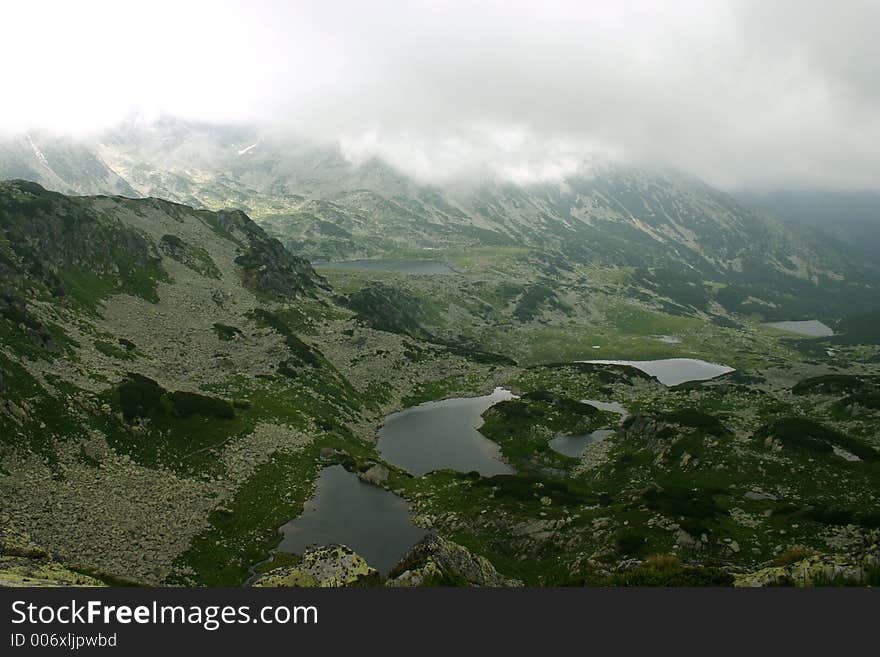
x=611, y=407
x=370, y=520
x=812, y=328
x=442, y=435
x=576, y=445
x=400, y=266
x=672, y=371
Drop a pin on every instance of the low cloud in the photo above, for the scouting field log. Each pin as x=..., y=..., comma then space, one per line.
x=741, y=93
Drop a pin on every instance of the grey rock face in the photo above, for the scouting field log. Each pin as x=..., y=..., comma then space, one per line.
x=376, y=474
x=435, y=561
x=324, y=566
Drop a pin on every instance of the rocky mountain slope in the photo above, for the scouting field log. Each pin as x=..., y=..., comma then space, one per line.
x=676, y=236
x=172, y=380
x=117, y=315
x=155, y=359
x=61, y=164
x=174, y=375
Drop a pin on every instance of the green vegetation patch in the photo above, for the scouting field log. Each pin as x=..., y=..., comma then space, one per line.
x=388, y=308
x=187, y=404
x=676, y=500
x=858, y=329
x=301, y=354
x=83, y=255
x=869, y=400
x=225, y=332
x=696, y=419
x=668, y=571
x=836, y=384
x=629, y=542
x=535, y=297
x=871, y=578
x=193, y=257
x=529, y=489
x=140, y=396
x=522, y=427
x=177, y=429
x=800, y=433
x=109, y=349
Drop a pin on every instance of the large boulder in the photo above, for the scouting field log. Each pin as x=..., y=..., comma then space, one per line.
x=435, y=561
x=376, y=474
x=323, y=566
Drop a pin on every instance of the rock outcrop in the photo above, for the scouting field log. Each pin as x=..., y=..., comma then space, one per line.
x=18, y=571
x=817, y=570
x=435, y=561
x=376, y=474
x=268, y=267
x=324, y=566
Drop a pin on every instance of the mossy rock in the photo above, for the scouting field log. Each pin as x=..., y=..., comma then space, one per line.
x=435, y=561
x=329, y=566
x=799, y=433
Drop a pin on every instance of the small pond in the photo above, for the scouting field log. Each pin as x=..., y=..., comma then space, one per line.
x=672, y=371
x=611, y=407
x=812, y=328
x=576, y=445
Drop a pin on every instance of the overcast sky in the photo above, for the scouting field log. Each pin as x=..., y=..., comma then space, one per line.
x=760, y=93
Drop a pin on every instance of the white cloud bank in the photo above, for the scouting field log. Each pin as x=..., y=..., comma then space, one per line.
x=742, y=92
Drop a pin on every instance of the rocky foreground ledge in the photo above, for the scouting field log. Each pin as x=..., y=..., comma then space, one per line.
x=810, y=569
x=433, y=561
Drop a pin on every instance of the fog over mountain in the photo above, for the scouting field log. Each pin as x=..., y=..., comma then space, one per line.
x=433, y=293
x=741, y=93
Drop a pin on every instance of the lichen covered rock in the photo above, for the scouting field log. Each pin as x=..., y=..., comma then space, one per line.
x=324, y=566
x=817, y=570
x=376, y=474
x=435, y=561
x=22, y=571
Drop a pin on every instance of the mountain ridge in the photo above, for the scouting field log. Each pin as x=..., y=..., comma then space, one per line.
x=681, y=237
